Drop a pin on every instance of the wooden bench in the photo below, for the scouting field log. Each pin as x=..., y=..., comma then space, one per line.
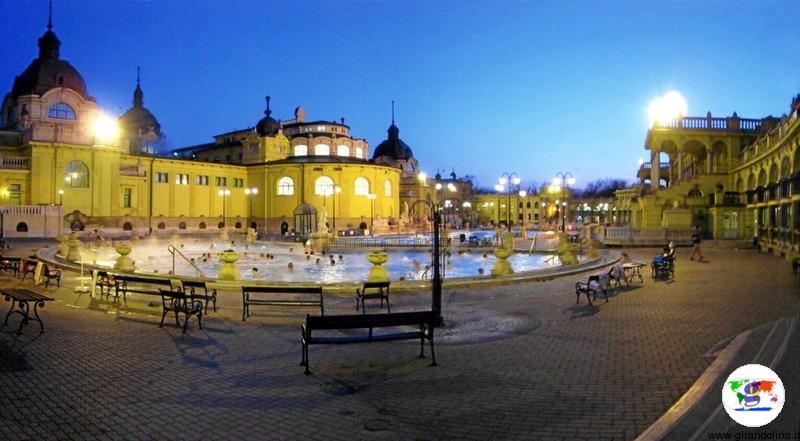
x=50, y=274
x=313, y=297
x=591, y=286
x=373, y=290
x=20, y=298
x=10, y=264
x=141, y=285
x=179, y=302
x=199, y=290
x=423, y=322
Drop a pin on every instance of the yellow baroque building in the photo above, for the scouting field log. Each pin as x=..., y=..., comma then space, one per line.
x=733, y=178
x=60, y=156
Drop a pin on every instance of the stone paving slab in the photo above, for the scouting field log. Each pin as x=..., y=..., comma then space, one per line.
x=520, y=362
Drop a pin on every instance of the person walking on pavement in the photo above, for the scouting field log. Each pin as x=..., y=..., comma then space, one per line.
x=696, y=244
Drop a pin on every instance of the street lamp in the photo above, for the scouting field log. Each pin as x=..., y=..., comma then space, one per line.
x=561, y=184
x=371, y=198
x=504, y=183
x=250, y=192
x=224, y=192
x=60, y=197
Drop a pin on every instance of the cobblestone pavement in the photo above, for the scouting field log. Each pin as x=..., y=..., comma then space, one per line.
x=515, y=362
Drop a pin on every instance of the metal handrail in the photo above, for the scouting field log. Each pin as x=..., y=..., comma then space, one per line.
x=172, y=250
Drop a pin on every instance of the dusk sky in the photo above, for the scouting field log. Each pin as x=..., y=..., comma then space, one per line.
x=483, y=87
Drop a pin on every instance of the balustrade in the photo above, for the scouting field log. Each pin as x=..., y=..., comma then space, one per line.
x=14, y=162
x=131, y=170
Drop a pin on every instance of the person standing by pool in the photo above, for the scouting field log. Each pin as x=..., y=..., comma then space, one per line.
x=696, y=244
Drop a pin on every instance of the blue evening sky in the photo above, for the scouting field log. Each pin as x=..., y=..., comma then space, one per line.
x=484, y=87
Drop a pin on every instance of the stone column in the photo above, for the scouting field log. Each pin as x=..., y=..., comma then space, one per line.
x=655, y=169
x=680, y=165
x=708, y=160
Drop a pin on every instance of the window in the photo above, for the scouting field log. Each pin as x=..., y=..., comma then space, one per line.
x=322, y=150
x=181, y=179
x=285, y=186
x=182, y=226
x=76, y=175
x=361, y=186
x=127, y=196
x=301, y=150
x=22, y=227
x=238, y=182
x=359, y=152
x=162, y=225
x=61, y=111
x=387, y=188
x=202, y=226
x=162, y=177
x=127, y=226
x=343, y=150
x=323, y=186
x=238, y=225
x=202, y=180
x=222, y=181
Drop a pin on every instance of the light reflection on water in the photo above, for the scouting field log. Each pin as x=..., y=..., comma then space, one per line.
x=152, y=255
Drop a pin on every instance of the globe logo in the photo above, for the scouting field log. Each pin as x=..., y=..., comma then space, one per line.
x=753, y=395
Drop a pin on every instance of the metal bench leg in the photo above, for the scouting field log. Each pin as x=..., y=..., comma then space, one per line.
x=36, y=313
x=422, y=343
x=305, y=351
x=13, y=303
x=433, y=354
x=163, y=314
x=23, y=306
x=388, y=306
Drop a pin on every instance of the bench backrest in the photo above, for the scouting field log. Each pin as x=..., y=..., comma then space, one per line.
x=376, y=285
x=193, y=283
x=137, y=279
x=355, y=321
x=283, y=289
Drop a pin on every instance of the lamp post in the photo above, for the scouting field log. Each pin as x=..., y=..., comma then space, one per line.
x=224, y=192
x=371, y=198
x=250, y=192
x=467, y=205
x=504, y=183
x=60, y=197
x=561, y=184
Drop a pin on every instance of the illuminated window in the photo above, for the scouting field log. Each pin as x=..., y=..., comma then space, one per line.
x=61, y=111
x=359, y=152
x=76, y=175
x=323, y=186
x=127, y=197
x=238, y=182
x=222, y=181
x=202, y=180
x=322, y=149
x=387, y=188
x=285, y=186
x=162, y=177
x=181, y=179
x=301, y=150
x=361, y=186
x=343, y=150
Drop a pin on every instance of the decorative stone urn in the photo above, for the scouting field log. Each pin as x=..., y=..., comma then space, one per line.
x=567, y=252
x=223, y=235
x=124, y=263
x=502, y=267
x=378, y=272
x=251, y=235
x=320, y=241
x=62, y=249
x=74, y=248
x=229, y=270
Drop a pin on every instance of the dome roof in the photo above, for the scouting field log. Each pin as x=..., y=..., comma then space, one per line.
x=139, y=117
x=48, y=71
x=393, y=146
x=268, y=126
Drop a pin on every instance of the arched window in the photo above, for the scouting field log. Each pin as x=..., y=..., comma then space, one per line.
x=301, y=150
x=221, y=225
x=323, y=186
x=387, y=188
x=127, y=226
x=61, y=111
x=76, y=175
x=410, y=168
x=22, y=227
x=342, y=150
x=359, y=152
x=202, y=225
x=361, y=186
x=285, y=186
x=238, y=225
x=162, y=226
x=182, y=226
x=322, y=150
